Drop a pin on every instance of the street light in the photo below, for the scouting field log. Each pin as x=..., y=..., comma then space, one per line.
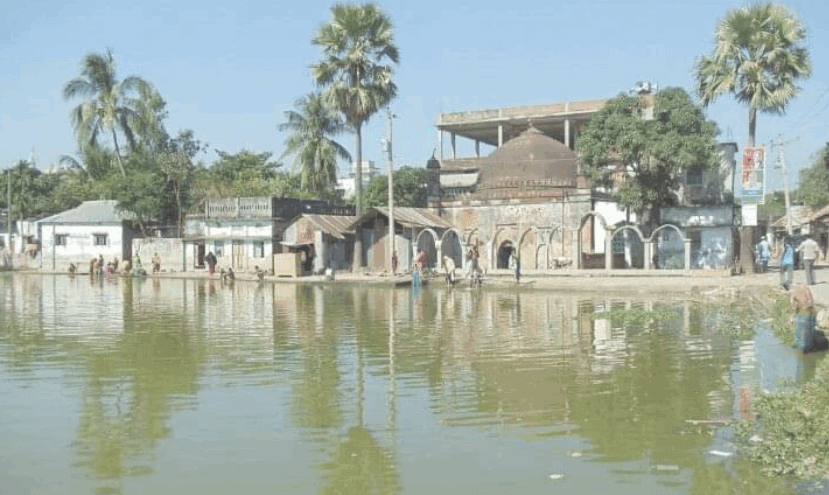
x=388, y=140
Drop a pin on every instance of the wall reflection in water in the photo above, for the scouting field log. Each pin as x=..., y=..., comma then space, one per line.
x=348, y=389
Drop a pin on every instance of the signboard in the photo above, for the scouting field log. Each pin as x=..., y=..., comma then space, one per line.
x=750, y=215
x=753, y=174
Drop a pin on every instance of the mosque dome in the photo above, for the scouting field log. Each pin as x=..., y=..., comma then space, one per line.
x=531, y=159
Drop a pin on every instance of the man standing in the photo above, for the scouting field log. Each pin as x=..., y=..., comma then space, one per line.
x=763, y=254
x=809, y=250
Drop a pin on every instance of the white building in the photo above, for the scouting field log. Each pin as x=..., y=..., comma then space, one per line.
x=346, y=185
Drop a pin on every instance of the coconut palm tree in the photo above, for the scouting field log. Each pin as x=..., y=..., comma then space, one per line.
x=359, y=55
x=758, y=57
x=107, y=108
x=312, y=126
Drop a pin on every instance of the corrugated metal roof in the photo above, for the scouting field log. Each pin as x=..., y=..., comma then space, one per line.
x=415, y=217
x=800, y=215
x=335, y=225
x=823, y=212
x=91, y=212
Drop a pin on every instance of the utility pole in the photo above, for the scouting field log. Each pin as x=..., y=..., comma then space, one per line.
x=781, y=159
x=9, y=208
x=390, y=251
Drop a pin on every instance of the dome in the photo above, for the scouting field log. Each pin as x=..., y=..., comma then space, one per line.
x=531, y=158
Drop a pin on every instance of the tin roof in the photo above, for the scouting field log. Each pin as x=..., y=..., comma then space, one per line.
x=334, y=225
x=406, y=216
x=91, y=212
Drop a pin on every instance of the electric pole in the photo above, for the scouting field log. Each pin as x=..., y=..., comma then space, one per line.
x=781, y=162
x=390, y=251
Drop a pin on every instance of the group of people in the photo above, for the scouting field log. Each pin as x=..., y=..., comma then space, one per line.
x=808, y=250
x=99, y=267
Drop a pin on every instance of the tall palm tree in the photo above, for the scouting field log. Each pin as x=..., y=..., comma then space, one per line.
x=312, y=126
x=107, y=108
x=359, y=55
x=759, y=56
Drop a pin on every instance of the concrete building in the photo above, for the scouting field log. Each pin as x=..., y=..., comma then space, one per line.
x=346, y=185
x=76, y=236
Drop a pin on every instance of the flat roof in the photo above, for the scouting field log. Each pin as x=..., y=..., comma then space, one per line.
x=482, y=125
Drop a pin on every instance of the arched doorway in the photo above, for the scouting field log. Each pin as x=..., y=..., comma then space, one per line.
x=628, y=248
x=426, y=242
x=450, y=245
x=505, y=250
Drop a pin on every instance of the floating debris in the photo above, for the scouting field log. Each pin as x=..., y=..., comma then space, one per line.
x=667, y=467
x=575, y=454
x=556, y=476
x=721, y=453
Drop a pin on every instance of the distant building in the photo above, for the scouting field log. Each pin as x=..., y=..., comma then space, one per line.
x=346, y=185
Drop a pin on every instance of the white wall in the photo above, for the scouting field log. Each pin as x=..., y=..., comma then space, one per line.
x=80, y=247
x=612, y=214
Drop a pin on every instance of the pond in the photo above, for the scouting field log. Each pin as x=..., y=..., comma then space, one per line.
x=194, y=386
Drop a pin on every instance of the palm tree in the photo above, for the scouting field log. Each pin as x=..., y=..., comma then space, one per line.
x=312, y=125
x=758, y=58
x=357, y=44
x=108, y=107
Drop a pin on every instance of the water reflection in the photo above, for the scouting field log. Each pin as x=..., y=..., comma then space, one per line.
x=347, y=389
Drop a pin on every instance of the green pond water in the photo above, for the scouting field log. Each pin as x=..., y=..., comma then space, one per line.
x=191, y=386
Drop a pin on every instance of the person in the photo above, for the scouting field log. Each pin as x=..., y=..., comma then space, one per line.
x=72, y=268
x=127, y=267
x=419, y=263
x=137, y=269
x=110, y=270
x=211, y=262
x=810, y=251
x=515, y=264
x=93, y=265
x=449, y=269
x=101, y=265
x=394, y=263
x=228, y=276
x=260, y=274
x=763, y=254
x=473, y=261
x=156, y=262
x=803, y=306
x=115, y=265
x=786, y=265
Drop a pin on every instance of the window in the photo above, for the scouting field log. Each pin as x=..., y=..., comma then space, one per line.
x=60, y=239
x=258, y=249
x=99, y=239
x=693, y=177
x=219, y=248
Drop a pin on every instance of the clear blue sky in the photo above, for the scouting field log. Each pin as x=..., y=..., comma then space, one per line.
x=229, y=70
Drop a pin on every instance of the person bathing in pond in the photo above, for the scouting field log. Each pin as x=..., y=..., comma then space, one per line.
x=260, y=274
x=449, y=269
x=156, y=264
x=211, y=261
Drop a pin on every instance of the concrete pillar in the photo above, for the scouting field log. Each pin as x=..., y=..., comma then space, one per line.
x=648, y=255
x=577, y=249
x=440, y=145
x=567, y=133
x=500, y=135
x=608, y=249
x=477, y=149
x=687, y=255
x=454, y=150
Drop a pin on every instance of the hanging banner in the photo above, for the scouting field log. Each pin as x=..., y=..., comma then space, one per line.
x=753, y=175
x=750, y=215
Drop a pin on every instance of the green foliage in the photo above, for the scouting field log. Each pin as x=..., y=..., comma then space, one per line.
x=650, y=154
x=357, y=68
x=813, y=188
x=409, y=189
x=758, y=57
x=633, y=317
x=792, y=430
x=312, y=128
x=774, y=206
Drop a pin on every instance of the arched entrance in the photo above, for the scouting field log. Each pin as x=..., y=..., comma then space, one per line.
x=450, y=245
x=505, y=250
x=427, y=242
x=668, y=246
x=628, y=248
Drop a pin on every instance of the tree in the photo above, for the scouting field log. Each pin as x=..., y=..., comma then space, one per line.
x=108, y=107
x=409, y=189
x=312, y=126
x=813, y=188
x=758, y=58
x=357, y=44
x=643, y=157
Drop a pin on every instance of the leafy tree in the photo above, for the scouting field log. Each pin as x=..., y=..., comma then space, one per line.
x=359, y=54
x=409, y=189
x=643, y=157
x=109, y=107
x=312, y=126
x=813, y=189
x=243, y=173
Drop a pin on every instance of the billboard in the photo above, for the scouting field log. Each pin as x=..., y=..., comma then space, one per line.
x=753, y=174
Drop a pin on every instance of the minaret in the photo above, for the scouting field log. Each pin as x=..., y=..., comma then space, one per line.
x=433, y=183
